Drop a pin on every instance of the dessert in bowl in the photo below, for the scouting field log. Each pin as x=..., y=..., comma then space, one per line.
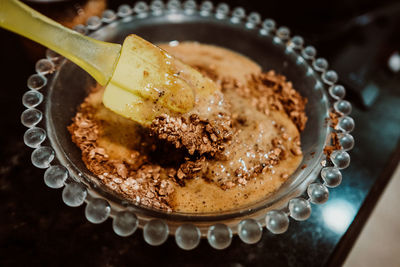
x=248, y=145
x=221, y=206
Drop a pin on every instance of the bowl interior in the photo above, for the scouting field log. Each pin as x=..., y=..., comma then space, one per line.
x=70, y=85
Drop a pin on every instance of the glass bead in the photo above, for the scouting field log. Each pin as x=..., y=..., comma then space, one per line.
x=54, y=57
x=297, y=42
x=249, y=231
x=206, y=8
x=318, y=193
x=346, y=124
x=155, y=232
x=219, y=236
x=124, y=11
x=343, y=107
x=32, y=98
x=337, y=91
x=93, y=23
x=283, y=33
x=253, y=19
x=33, y=137
x=309, y=52
x=173, y=5
x=125, y=223
x=330, y=77
x=269, y=25
x=97, y=210
x=81, y=29
x=43, y=67
x=300, y=209
x=36, y=82
x=55, y=176
x=331, y=176
x=341, y=159
x=42, y=157
x=277, y=222
x=187, y=236
x=222, y=11
x=140, y=8
x=189, y=6
x=74, y=194
x=320, y=64
x=346, y=141
x=238, y=14
x=31, y=117
x=108, y=16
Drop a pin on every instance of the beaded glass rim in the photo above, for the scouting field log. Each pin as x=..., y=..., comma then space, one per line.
x=187, y=235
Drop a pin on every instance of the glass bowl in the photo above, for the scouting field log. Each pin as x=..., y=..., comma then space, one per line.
x=59, y=86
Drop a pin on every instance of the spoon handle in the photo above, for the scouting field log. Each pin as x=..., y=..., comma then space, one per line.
x=96, y=57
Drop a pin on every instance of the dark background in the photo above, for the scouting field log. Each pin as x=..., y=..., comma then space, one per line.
x=357, y=38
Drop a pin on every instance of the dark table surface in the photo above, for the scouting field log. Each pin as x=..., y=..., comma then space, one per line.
x=37, y=228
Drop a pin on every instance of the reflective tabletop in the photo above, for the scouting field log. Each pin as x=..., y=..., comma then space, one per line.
x=36, y=227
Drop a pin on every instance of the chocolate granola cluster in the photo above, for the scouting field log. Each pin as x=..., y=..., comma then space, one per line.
x=195, y=134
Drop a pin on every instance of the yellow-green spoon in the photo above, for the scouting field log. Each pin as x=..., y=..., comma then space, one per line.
x=142, y=80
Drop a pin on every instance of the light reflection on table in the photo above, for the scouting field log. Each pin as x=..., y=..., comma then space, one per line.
x=338, y=215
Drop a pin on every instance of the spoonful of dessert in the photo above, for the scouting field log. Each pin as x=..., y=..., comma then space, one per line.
x=142, y=80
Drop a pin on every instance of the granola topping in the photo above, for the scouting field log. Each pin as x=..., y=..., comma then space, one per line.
x=244, y=150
